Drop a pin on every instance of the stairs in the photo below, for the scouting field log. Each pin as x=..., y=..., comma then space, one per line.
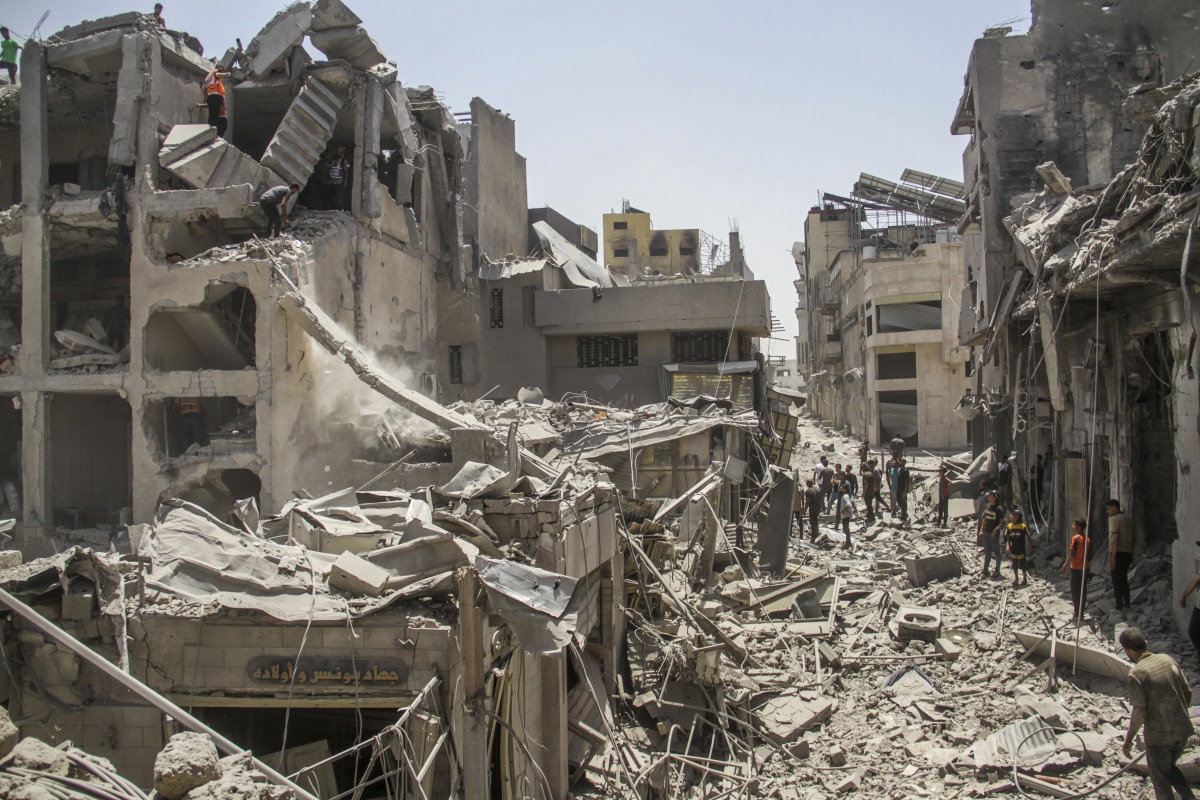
x=304, y=132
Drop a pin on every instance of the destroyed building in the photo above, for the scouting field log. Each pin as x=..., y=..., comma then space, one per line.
x=588, y=330
x=1077, y=303
x=884, y=358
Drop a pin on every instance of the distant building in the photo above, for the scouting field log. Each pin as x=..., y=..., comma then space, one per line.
x=635, y=249
x=884, y=359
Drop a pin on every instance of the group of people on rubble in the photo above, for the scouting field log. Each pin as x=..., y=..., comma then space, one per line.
x=331, y=172
x=836, y=489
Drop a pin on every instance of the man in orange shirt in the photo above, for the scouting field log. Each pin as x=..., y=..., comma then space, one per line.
x=214, y=97
x=1079, y=561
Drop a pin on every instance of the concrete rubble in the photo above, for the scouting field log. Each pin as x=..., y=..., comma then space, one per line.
x=291, y=520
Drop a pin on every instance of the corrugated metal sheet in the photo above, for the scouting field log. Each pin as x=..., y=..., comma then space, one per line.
x=1032, y=736
x=909, y=317
x=498, y=270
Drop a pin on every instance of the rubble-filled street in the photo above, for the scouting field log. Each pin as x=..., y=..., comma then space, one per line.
x=333, y=467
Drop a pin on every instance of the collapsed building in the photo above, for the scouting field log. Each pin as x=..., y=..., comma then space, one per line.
x=1077, y=302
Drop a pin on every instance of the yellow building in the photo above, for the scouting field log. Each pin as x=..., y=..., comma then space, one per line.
x=633, y=247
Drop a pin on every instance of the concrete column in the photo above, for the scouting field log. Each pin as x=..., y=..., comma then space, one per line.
x=35, y=246
x=471, y=630
x=554, y=724
x=38, y=516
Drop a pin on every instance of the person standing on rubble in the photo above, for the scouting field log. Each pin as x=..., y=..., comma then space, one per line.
x=826, y=480
x=902, y=487
x=1017, y=543
x=869, y=477
x=333, y=179
x=943, y=497
x=274, y=203
x=798, y=504
x=8, y=55
x=1160, y=696
x=864, y=451
x=1079, y=561
x=851, y=480
x=158, y=15
x=835, y=488
x=845, y=510
x=1120, y=551
x=1004, y=479
x=1194, y=622
x=813, y=500
x=991, y=525
x=877, y=481
x=213, y=88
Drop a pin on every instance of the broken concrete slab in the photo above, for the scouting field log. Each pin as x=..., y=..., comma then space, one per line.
x=304, y=131
x=1086, y=658
x=357, y=575
x=194, y=154
x=352, y=45
x=918, y=622
x=1052, y=176
x=270, y=48
x=922, y=571
x=188, y=761
x=784, y=718
x=332, y=14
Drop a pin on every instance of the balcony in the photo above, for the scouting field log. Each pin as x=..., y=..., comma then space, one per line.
x=831, y=349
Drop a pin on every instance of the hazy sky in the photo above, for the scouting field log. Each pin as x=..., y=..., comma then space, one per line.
x=705, y=114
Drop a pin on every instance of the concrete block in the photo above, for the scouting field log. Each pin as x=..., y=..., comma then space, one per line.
x=922, y=571
x=332, y=14
x=918, y=622
x=948, y=650
x=357, y=576
x=837, y=756
x=350, y=44
x=79, y=605
x=268, y=50
x=8, y=733
x=10, y=559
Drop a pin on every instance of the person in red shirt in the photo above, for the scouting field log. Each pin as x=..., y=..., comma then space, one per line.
x=943, y=507
x=1079, y=561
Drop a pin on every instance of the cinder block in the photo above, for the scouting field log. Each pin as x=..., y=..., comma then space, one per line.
x=357, y=575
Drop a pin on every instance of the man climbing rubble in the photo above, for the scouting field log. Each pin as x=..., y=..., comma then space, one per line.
x=213, y=88
x=1160, y=696
x=274, y=203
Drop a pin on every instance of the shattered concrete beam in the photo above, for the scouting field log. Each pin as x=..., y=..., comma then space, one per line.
x=268, y=50
x=317, y=324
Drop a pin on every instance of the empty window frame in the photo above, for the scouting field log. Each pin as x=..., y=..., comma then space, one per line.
x=620, y=252
x=895, y=366
x=658, y=250
x=456, y=364
x=607, y=351
x=620, y=225
x=904, y=317
x=687, y=250
x=701, y=347
x=496, y=308
x=528, y=312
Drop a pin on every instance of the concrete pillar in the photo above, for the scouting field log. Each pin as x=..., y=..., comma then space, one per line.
x=35, y=246
x=37, y=520
x=554, y=724
x=470, y=641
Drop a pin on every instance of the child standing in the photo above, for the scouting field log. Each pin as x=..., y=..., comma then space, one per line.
x=1079, y=561
x=1018, y=544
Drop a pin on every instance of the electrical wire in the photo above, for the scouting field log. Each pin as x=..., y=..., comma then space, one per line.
x=312, y=608
x=1088, y=792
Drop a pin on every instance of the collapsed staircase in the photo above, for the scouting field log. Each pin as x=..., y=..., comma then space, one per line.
x=304, y=132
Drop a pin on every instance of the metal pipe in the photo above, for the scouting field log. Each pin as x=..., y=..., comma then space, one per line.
x=142, y=690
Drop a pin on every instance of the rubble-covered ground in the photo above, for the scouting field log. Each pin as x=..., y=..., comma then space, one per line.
x=852, y=698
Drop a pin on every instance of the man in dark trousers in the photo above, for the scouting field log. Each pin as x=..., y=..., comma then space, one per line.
x=1194, y=622
x=813, y=500
x=943, y=498
x=1004, y=480
x=1120, y=551
x=274, y=203
x=333, y=179
x=1079, y=561
x=869, y=476
x=1160, y=696
x=903, y=486
x=991, y=525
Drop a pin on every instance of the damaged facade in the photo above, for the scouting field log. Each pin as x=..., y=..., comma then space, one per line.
x=883, y=357
x=1078, y=298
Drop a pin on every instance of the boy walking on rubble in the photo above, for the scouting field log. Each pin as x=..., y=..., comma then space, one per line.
x=1079, y=561
x=1017, y=543
x=991, y=525
x=903, y=486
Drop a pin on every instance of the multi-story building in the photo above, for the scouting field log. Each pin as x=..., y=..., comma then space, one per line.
x=634, y=248
x=884, y=360
x=1072, y=305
